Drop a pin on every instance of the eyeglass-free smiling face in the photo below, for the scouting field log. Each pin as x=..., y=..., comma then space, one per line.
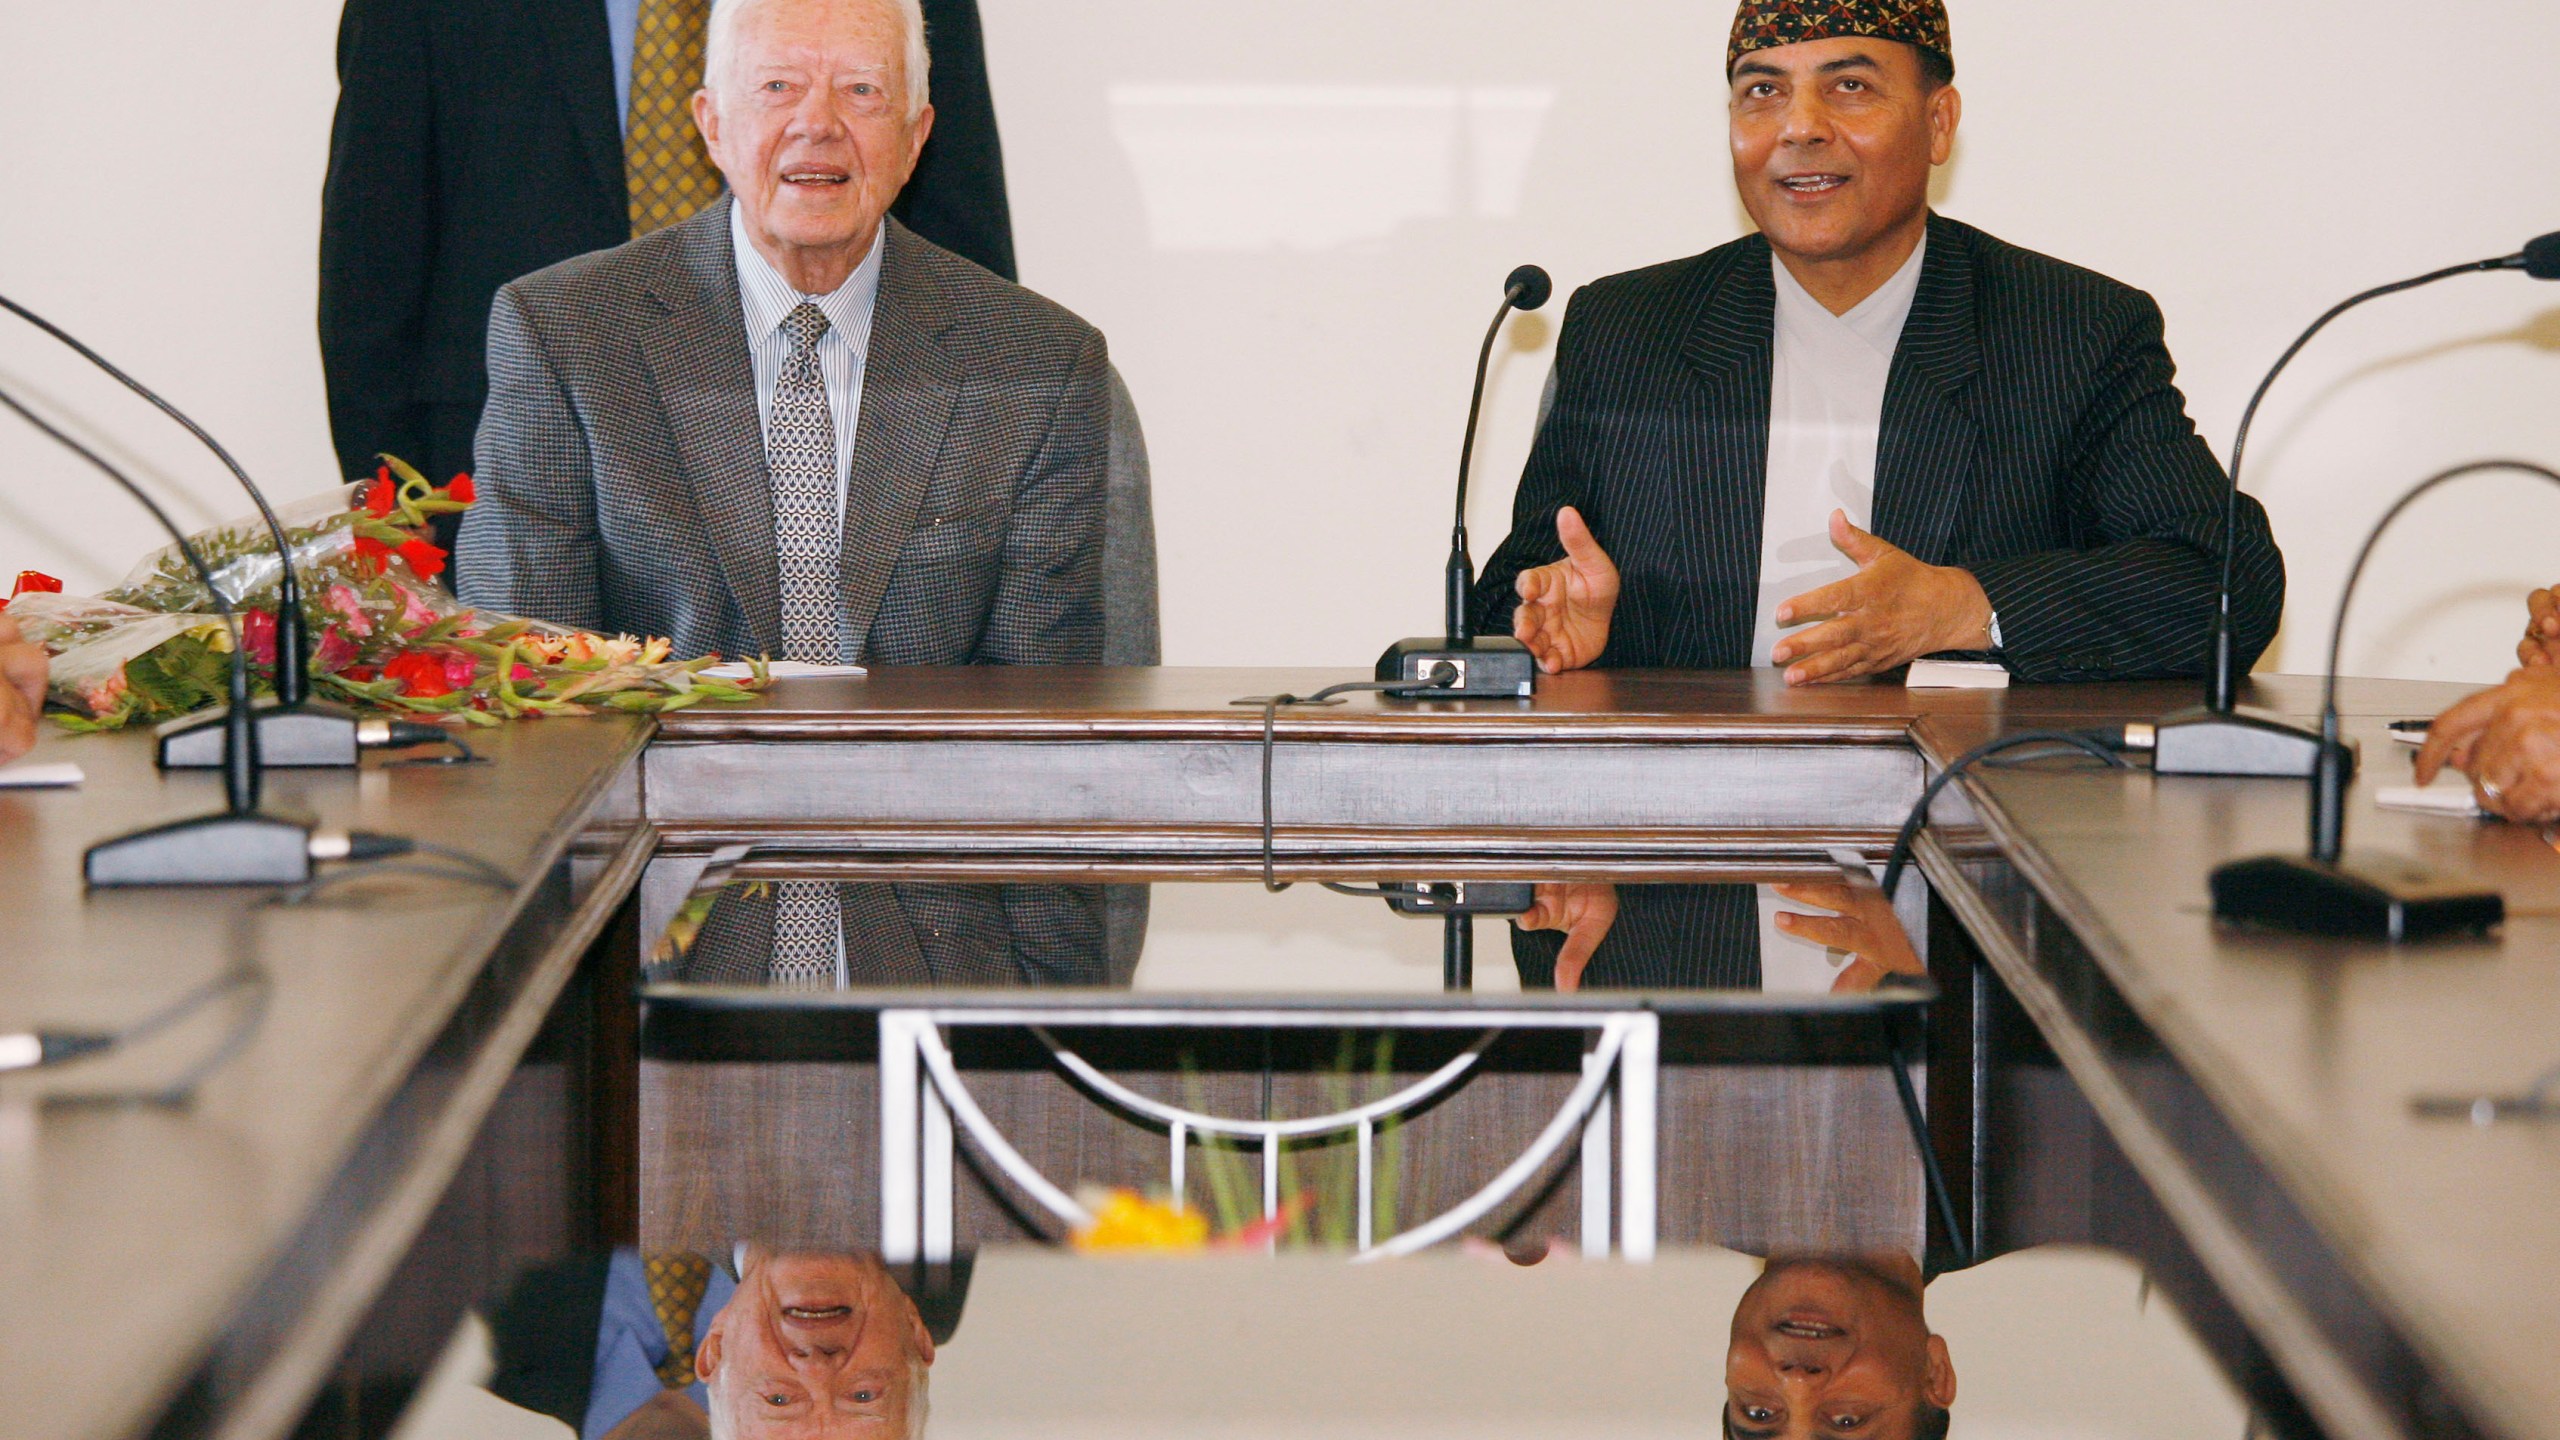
x=1834, y=1349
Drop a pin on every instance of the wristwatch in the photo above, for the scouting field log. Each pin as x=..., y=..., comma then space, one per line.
x=1995, y=631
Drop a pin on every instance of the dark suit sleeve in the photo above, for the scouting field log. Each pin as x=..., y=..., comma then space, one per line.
x=1550, y=481
x=529, y=544
x=956, y=198
x=545, y=1335
x=377, y=228
x=1048, y=602
x=2145, y=497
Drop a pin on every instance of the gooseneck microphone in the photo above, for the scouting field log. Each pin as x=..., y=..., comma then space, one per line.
x=239, y=845
x=2370, y=896
x=1474, y=667
x=2222, y=737
x=296, y=730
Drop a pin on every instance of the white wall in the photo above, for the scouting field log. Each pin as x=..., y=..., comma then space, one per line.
x=1292, y=219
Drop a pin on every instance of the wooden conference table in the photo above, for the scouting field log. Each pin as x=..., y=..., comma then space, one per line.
x=433, y=1080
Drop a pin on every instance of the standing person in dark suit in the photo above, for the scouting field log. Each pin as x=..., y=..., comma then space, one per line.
x=480, y=140
x=1871, y=422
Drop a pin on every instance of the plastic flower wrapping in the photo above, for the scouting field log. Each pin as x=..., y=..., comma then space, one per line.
x=386, y=637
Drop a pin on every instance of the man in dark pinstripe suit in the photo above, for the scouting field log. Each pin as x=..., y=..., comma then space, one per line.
x=2030, y=482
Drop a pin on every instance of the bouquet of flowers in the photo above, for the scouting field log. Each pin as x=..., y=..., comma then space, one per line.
x=155, y=646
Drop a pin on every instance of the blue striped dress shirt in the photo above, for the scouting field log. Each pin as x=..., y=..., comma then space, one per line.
x=767, y=298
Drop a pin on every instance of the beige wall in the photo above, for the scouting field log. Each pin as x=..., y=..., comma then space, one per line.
x=1291, y=219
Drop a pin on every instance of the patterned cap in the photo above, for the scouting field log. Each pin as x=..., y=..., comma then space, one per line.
x=1763, y=24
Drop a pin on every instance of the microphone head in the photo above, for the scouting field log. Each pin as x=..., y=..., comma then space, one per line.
x=2542, y=256
x=1532, y=287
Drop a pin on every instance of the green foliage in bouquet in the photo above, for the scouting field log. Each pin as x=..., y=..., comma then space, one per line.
x=387, y=637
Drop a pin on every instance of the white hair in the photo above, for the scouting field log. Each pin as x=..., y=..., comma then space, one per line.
x=718, y=36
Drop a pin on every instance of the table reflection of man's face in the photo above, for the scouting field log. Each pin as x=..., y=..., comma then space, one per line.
x=1836, y=1349
x=815, y=1345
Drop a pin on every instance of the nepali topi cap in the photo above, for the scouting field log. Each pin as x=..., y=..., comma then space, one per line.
x=1765, y=24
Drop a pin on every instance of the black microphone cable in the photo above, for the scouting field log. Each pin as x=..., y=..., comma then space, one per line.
x=1444, y=677
x=367, y=848
x=45, y=1048
x=2107, y=743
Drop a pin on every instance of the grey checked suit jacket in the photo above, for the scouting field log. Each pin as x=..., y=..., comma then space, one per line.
x=622, y=475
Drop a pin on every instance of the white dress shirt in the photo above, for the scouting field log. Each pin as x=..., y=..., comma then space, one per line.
x=1826, y=407
x=767, y=298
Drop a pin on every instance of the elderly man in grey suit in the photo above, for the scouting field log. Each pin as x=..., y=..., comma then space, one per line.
x=788, y=426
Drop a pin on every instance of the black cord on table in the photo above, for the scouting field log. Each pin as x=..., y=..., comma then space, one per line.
x=310, y=889
x=1270, y=716
x=2104, y=744
x=62, y=1047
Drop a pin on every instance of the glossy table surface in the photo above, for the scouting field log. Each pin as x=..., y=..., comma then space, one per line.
x=132, y=1235
x=2313, y=1050
x=145, y=1232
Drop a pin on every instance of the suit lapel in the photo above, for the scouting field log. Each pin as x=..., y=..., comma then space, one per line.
x=910, y=386
x=1728, y=344
x=583, y=50
x=1931, y=438
x=698, y=355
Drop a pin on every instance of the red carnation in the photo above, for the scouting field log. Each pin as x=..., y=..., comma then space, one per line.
x=420, y=674
x=258, y=635
x=461, y=490
x=424, y=558
x=381, y=495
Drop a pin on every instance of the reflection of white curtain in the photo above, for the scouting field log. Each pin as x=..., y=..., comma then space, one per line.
x=1315, y=167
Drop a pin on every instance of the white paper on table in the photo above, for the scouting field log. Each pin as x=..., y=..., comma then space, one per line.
x=1957, y=675
x=784, y=670
x=54, y=776
x=2452, y=797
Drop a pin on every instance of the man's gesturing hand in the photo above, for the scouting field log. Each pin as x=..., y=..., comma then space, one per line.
x=1893, y=611
x=22, y=676
x=2508, y=741
x=1565, y=607
x=1585, y=913
x=2541, y=642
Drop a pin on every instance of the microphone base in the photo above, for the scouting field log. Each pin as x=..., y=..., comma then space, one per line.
x=1467, y=897
x=2367, y=896
x=226, y=848
x=1491, y=667
x=314, y=735
x=2242, y=741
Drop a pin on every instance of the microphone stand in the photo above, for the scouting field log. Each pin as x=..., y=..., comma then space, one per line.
x=2222, y=737
x=1491, y=666
x=240, y=844
x=2331, y=892
x=296, y=730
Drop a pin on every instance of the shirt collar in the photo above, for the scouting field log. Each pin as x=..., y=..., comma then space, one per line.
x=767, y=297
x=1878, y=319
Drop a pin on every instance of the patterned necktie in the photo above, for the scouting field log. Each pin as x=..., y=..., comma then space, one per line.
x=676, y=1285
x=808, y=921
x=664, y=166
x=800, y=449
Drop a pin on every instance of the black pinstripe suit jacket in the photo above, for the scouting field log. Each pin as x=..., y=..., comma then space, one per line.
x=622, y=473
x=2032, y=433
x=984, y=935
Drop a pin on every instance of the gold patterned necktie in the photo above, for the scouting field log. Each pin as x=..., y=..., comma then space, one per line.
x=669, y=174
x=676, y=1286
